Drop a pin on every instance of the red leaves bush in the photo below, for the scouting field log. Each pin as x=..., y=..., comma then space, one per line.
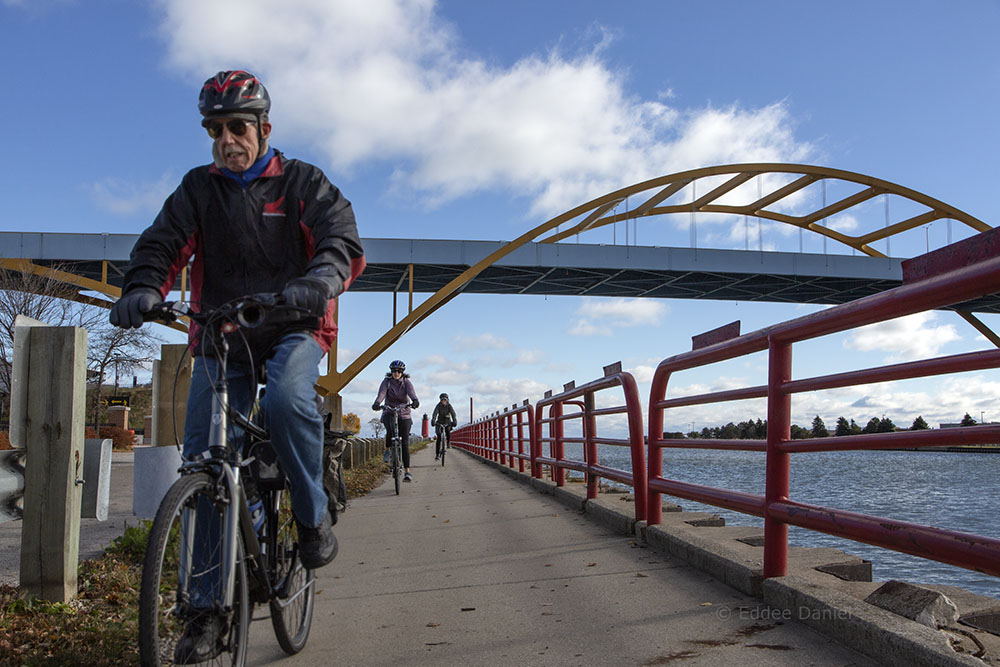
x=121, y=439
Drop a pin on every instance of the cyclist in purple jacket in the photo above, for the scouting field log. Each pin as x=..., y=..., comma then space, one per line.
x=397, y=390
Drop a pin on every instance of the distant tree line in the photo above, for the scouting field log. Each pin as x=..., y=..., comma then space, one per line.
x=757, y=429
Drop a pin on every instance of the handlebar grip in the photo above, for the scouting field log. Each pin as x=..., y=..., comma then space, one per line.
x=166, y=311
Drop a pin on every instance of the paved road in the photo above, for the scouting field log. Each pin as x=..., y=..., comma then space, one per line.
x=469, y=567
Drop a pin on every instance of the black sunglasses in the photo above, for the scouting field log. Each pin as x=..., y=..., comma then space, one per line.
x=237, y=127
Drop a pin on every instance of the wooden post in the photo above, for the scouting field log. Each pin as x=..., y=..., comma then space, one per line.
x=170, y=404
x=50, y=534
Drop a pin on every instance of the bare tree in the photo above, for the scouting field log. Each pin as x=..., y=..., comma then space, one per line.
x=376, y=425
x=121, y=351
x=49, y=300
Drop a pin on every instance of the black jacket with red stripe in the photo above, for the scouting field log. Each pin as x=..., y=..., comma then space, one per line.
x=287, y=223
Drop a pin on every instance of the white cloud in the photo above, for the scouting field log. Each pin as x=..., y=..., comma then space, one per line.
x=643, y=373
x=625, y=312
x=486, y=341
x=585, y=328
x=904, y=338
x=394, y=89
x=598, y=317
x=434, y=360
x=456, y=376
x=127, y=198
x=491, y=395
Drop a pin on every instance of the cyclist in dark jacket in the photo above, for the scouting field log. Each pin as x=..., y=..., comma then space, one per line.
x=254, y=221
x=397, y=390
x=443, y=418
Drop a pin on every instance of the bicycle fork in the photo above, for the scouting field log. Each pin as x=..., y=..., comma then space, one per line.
x=235, y=516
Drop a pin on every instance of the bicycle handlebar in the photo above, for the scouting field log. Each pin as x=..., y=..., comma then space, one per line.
x=397, y=409
x=249, y=312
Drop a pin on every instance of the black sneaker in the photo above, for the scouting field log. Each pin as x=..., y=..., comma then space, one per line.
x=317, y=546
x=201, y=641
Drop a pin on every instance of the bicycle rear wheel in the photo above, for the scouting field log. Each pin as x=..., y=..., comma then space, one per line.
x=292, y=607
x=181, y=582
x=444, y=442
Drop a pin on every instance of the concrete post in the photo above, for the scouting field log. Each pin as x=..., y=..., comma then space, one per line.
x=50, y=534
x=155, y=468
x=335, y=404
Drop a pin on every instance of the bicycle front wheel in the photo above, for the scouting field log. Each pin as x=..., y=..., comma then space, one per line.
x=292, y=605
x=180, y=613
x=397, y=467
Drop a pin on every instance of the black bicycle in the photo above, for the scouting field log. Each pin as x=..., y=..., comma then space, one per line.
x=443, y=440
x=396, y=447
x=205, y=546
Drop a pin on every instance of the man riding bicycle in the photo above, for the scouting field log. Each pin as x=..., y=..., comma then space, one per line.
x=254, y=221
x=443, y=419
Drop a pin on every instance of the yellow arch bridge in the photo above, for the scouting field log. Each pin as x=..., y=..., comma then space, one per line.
x=536, y=263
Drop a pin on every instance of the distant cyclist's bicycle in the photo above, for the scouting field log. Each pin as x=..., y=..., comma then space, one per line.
x=396, y=448
x=443, y=440
x=208, y=559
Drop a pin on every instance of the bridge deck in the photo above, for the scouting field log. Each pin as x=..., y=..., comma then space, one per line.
x=469, y=567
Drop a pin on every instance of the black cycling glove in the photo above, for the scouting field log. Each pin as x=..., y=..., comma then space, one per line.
x=307, y=293
x=376, y=407
x=415, y=404
x=128, y=310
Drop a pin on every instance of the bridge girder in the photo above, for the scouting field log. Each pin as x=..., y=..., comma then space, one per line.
x=654, y=197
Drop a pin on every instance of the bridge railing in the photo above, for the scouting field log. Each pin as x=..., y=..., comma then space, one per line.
x=775, y=506
x=583, y=400
x=514, y=436
x=501, y=437
x=957, y=274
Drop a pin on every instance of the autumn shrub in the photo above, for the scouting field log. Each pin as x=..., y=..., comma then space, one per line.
x=5, y=440
x=121, y=439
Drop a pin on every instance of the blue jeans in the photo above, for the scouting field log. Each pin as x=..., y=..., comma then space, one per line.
x=290, y=413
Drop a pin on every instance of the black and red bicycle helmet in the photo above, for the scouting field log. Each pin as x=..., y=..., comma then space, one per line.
x=234, y=93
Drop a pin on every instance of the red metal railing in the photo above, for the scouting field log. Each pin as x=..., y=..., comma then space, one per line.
x=588, y=413
x=778, y=510
x=514, y=433
x=492, y=437
x=496, y=437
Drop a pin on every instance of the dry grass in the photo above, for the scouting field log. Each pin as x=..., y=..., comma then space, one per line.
x=100, y=627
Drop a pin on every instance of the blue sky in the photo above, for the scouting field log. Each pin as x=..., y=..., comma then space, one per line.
x=470, y=120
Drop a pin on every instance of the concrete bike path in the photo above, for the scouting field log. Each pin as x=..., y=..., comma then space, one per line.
x=469, y=567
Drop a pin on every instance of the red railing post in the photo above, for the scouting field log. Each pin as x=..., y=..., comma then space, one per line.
x=532, y=452
x=638, y=455
x=503, y=440
x=494, y=439
x=654, y=468
x=535, y=424
x=590, y=444
x=520, y=440
x=776, y=484
x=558, y=448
